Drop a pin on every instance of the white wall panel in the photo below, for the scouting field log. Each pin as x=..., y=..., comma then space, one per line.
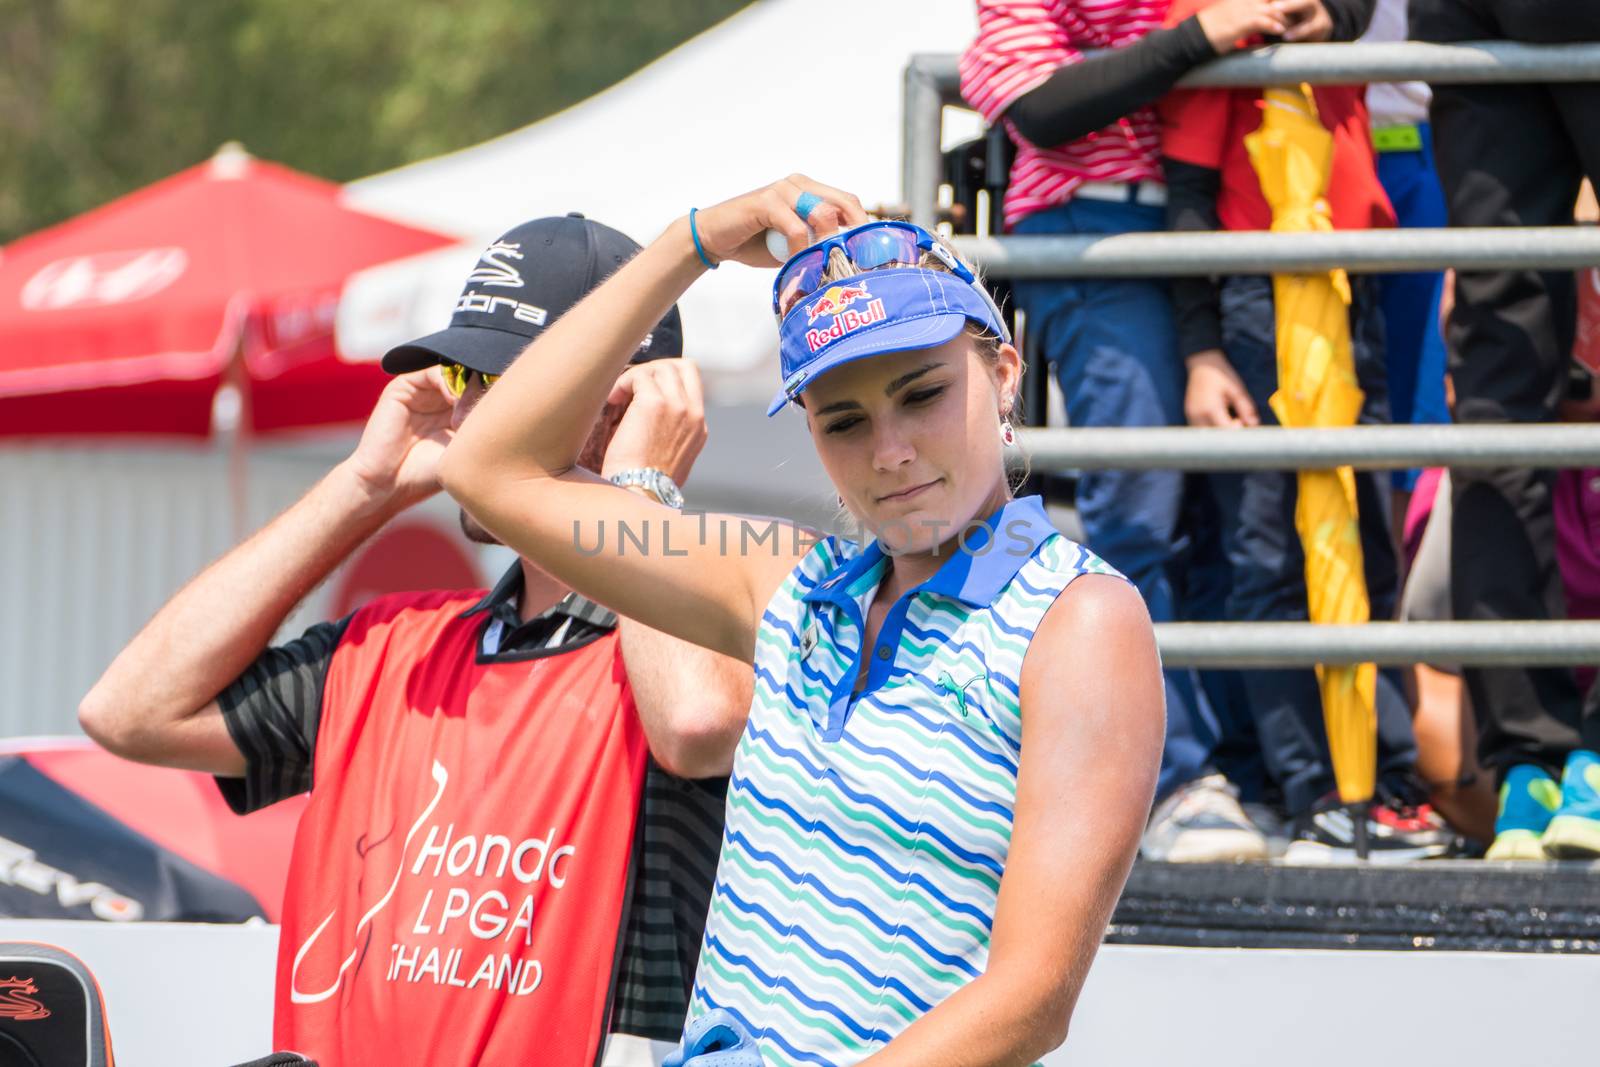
x=92, y=542
x=1143, y=1006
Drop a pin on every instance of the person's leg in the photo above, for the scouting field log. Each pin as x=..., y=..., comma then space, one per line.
x=1413, y=343
x=1446, y=731
x=1574, y=831
x=1577, y=509
x=1505, y=159
x=1410, y=302
x=1203, y=580
x=1579, y=107
x=1268, y=564
x=1397, y=744
x=1269, y=582
x=1427, y=208
x=1114, y=347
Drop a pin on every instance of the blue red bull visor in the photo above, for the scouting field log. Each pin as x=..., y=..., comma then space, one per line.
x=891, y=310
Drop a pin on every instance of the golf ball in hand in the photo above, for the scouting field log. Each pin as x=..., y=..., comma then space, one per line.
x=778, y=245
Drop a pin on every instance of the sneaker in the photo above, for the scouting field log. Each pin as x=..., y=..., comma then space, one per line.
x=1574, y=831
x=1274, y=827
x=1201, y=822
x=1417, y=823
x=1528, y=798
x=1327, y=834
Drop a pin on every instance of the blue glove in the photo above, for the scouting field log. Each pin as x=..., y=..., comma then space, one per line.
x=715, y=1039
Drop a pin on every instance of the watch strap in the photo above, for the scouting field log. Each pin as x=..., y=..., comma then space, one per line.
x=655, y=481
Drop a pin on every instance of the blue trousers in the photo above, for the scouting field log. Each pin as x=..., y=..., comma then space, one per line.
x=1413, y=342
x=1114, y=348
x=1256, y=511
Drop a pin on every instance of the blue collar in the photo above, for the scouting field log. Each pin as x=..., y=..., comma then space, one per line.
x=975, y=574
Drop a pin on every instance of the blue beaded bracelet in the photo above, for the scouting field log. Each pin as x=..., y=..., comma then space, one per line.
x=698, y=249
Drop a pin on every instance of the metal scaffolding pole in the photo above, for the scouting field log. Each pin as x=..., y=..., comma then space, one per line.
x=1251, y=252
x=1467, y=63
x=1388, y=644
x=921, y=164
x=1549, y=445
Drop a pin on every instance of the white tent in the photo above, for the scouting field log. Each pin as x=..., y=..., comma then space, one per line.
x=785, y=85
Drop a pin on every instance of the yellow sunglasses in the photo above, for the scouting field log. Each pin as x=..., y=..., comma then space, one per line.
x=456, y=377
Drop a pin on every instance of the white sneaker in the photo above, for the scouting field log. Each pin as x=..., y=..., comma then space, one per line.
x=1202, y=822
x=1274, y=828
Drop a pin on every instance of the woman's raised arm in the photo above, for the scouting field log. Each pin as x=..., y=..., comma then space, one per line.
x=513, y=463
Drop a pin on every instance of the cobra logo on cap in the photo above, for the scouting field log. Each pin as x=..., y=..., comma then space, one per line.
x=492, y=268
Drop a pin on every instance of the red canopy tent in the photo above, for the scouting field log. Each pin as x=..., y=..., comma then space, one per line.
x=128, y=319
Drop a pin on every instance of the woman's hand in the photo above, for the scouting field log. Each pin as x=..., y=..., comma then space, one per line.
x=1227, y=23
x=736, y=229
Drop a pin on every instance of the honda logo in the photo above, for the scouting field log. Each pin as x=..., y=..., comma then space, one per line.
x=103, y=278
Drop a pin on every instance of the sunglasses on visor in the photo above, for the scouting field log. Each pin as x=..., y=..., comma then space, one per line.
x=871, y=246
x=456, y=377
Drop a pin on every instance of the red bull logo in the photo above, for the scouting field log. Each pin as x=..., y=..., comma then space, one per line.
x=836, y=302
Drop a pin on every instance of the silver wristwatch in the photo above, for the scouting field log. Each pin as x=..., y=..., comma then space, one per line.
x=653, y=481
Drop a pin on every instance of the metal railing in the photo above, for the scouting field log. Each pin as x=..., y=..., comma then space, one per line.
x=1250, y=252
x=1278, y=448
x=931, y=82
x=1388, y=644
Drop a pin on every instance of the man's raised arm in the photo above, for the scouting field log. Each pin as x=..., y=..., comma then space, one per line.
x=157, y=703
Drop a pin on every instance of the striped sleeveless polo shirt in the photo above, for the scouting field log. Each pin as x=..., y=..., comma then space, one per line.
x=866, y=835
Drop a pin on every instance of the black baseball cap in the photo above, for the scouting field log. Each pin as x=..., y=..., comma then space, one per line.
x=523, y=282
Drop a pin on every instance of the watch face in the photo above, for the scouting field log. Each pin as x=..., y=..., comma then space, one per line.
x=656, y=482
x=662, y=486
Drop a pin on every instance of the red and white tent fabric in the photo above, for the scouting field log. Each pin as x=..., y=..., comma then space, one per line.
x=129, y=318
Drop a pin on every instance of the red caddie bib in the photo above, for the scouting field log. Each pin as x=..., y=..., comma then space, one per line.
x=460, y=872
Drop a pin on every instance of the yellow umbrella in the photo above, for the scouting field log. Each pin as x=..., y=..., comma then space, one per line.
x=1292, y=154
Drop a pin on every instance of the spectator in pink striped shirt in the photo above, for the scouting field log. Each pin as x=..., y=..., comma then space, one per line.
x=1088, y=162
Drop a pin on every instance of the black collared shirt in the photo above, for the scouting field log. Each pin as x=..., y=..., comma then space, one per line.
x=273, y=709
x=572, y=623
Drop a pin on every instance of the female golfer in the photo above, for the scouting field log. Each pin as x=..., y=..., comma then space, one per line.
x=957, y=726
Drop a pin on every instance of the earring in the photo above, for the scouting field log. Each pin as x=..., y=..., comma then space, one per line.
x=1008, y=433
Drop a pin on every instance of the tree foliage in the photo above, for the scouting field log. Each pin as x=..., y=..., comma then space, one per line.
x=99, y=97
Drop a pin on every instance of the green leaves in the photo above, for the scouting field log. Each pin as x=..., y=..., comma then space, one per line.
x=99, y=97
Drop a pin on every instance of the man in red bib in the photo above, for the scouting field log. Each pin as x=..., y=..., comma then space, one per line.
x=515, y=797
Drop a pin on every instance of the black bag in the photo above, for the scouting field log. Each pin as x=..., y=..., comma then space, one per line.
x=51, y=1011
